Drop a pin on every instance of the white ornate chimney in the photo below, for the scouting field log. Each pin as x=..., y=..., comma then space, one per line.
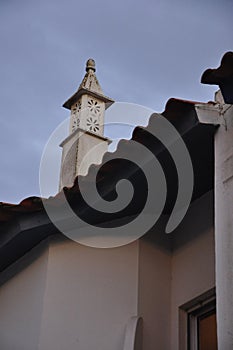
x=86, y=130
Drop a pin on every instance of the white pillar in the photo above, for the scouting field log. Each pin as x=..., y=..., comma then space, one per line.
x=224, y=229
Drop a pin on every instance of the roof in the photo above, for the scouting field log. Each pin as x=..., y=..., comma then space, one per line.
x=182, y=114
x=198, y=138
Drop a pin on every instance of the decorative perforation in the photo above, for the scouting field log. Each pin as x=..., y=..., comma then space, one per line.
x=76, y=108
x=94, y=106
x=75, y=125
x=93, y=124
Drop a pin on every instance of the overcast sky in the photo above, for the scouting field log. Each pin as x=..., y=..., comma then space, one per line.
x=145, y=51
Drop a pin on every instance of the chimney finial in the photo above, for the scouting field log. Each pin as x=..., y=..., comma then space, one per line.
x=90, y=65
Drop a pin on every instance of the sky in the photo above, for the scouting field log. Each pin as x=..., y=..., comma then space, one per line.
x=145, y=52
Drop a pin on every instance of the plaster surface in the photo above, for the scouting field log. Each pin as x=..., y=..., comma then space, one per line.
x=90, y=296
x=21, y=300
x=224, y=229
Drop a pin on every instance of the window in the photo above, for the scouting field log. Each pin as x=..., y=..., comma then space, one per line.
x=198, y=321
x=202, y=329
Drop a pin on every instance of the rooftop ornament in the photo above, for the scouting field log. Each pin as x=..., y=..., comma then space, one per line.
x=222, y=76
x=90, y=65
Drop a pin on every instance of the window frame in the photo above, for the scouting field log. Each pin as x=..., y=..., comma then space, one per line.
x=189, y=313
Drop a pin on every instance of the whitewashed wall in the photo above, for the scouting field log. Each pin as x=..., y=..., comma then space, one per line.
x=21, y=301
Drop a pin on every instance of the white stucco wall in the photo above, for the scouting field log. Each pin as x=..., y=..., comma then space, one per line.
x=155, y=290
x=21, y=300
x=193, y=260
x=90, y=296
x=224, y=229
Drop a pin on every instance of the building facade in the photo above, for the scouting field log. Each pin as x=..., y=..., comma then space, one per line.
x=162, y=291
